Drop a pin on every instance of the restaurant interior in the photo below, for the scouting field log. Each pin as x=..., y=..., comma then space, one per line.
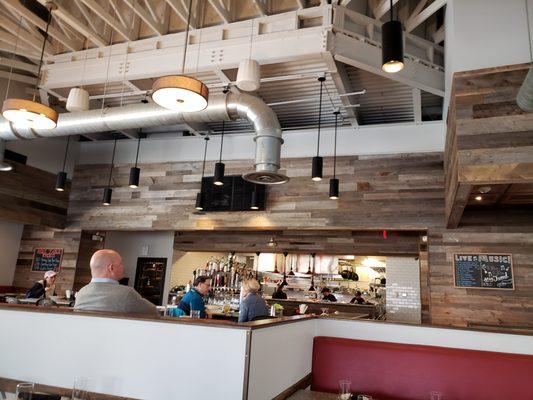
x=368, y=164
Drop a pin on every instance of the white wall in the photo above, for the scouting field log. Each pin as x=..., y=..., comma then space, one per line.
x=382, y=139
x=130, y=246
x=186, y=262
x=10, y=234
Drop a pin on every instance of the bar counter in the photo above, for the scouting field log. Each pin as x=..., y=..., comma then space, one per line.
x=290, y=307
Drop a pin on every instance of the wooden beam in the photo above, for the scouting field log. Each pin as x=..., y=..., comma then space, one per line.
x=221, y=11
x=88, y=18
x=301, y=3
x=30, y=80
x=416, y=20
x=456, y=207
x=11, y=63
x=261, y=7
x=24, y=36
x=438, y=36
x=156, y=26
x=419, y=7
x=181, y=11
x=8, y=47
x=73, y=21
x=108, y=18
x=382, y=8
x=417, y=105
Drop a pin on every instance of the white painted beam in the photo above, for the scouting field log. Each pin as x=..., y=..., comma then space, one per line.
x=30, y=80
x=417, y=104
x=111, y=20
x=343, y=86
x=73, y=21
x=7, y=62
x=439, y=34
x=364, y=56
x=416, y=20
x=221, y=11
x=24, y=36
x=156, y=26
x=382, y=8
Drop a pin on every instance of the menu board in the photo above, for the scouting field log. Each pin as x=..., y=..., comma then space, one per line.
x=46, y=259
x=483, y=271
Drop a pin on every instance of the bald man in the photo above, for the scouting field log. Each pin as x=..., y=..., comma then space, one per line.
x=105, y=294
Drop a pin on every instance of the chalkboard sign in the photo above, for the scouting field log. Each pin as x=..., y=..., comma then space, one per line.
x=46, y=259
x=483, y=271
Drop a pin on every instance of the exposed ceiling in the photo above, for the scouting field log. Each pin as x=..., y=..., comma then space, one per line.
x=291, y=57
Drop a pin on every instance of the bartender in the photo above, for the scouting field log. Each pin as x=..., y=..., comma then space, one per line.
x=43, y=288
x=327, y=295
x=279, y=293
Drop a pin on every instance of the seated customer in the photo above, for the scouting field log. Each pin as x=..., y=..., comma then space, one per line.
x=327, y=295
x=104, y=293
x=44, y=288
x=194, y=299
x=279, y=293
x=252, y=304
x=359, y=299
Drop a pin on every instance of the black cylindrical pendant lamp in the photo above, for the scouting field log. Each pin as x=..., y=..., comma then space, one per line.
x=61, y=179
x=316, y=173
x=254, y=204
x=108, y=192
x=199, y=201
x=135, y=172
x=219, y=166
x=392, y=45
x=333, y=188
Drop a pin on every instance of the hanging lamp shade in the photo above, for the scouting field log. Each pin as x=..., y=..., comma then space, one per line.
x=219, y=174
x=135, y=174
x=316, y=170
x=333, y=188
x=29, y=114
x=108, y=192
x=180, y=93
x=78, y=100
x=392, y=46
x=199, y=201
x=61, y=181
x=254, y=203
x=249, y=75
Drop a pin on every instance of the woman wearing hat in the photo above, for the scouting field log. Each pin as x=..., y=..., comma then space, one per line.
x=43, y=288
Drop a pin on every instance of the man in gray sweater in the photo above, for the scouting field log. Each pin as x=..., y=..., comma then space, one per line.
x=104, y=293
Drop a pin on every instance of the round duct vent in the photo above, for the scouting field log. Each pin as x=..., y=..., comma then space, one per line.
x=265, y=178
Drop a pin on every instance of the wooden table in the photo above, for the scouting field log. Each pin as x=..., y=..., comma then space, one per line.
x=310, y=395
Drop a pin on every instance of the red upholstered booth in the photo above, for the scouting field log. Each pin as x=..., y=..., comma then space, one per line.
x=404, y=371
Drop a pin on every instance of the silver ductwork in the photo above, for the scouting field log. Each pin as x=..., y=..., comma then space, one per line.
x=220, y=108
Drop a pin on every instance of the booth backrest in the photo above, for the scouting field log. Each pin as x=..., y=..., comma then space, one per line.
x=392, y=371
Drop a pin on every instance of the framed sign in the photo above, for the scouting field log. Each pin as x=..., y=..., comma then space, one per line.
x=46, y=259
x=483, y=271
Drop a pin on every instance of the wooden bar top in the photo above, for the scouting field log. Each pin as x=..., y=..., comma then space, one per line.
x=215, y=323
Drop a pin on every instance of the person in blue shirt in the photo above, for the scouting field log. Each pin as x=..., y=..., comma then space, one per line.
x=252, y=304
x=194, y=299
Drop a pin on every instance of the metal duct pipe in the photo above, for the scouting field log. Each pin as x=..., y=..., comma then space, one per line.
x=525, y=94
x=221, y=107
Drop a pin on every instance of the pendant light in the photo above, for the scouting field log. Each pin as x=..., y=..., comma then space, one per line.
x=78, y=97
x=108, y=192
x=61, y=179
x=180, y=92
x=200, y=195
x=309, y=272
x=219, y=166
x=3, y=165
x=249, y=72
x=392, y=45
x=312, y=287
x=276, y=264
x=284, y=283
x=334, y=182
x=135, y=172
x=257, y=253
x=31, y=113
x=291, y=272
x=316, y=173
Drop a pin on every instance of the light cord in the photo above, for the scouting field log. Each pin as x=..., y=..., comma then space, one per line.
x=42, y=54
x=112, y=164
x=221, y=142
x=66, y=153
x=186, y=38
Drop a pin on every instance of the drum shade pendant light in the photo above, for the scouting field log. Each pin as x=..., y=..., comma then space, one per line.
x=219, y=166
x=249, y=72
x=180, y=92
x=78, y=97
x=61, y=179
x=3, y=165
x=334, y=182
x=108, y=192
x=135, y=172
x=316, y=169
x=200, y=195
x=31, y=113
x=392, y=45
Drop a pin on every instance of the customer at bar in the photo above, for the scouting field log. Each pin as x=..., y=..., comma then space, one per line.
x=252, y=304
x=279, y=293
x=194, y=299
x=327, y=295
x=104, y=293
x=43, y=288
x=359, y=299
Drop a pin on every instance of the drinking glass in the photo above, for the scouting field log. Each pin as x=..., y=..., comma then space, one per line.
x=24, y=390
x=436, y=396
x=80, y=389
x=345, y=389
x=195, y=313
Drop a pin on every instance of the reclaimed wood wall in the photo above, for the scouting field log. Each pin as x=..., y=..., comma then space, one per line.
x=377, y=192
x=27, y=195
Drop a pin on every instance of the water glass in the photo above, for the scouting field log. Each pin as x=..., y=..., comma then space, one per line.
x=345, y=389
x=80, y=389
x=195, y=313
x=436, y=396
x=25, y=390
